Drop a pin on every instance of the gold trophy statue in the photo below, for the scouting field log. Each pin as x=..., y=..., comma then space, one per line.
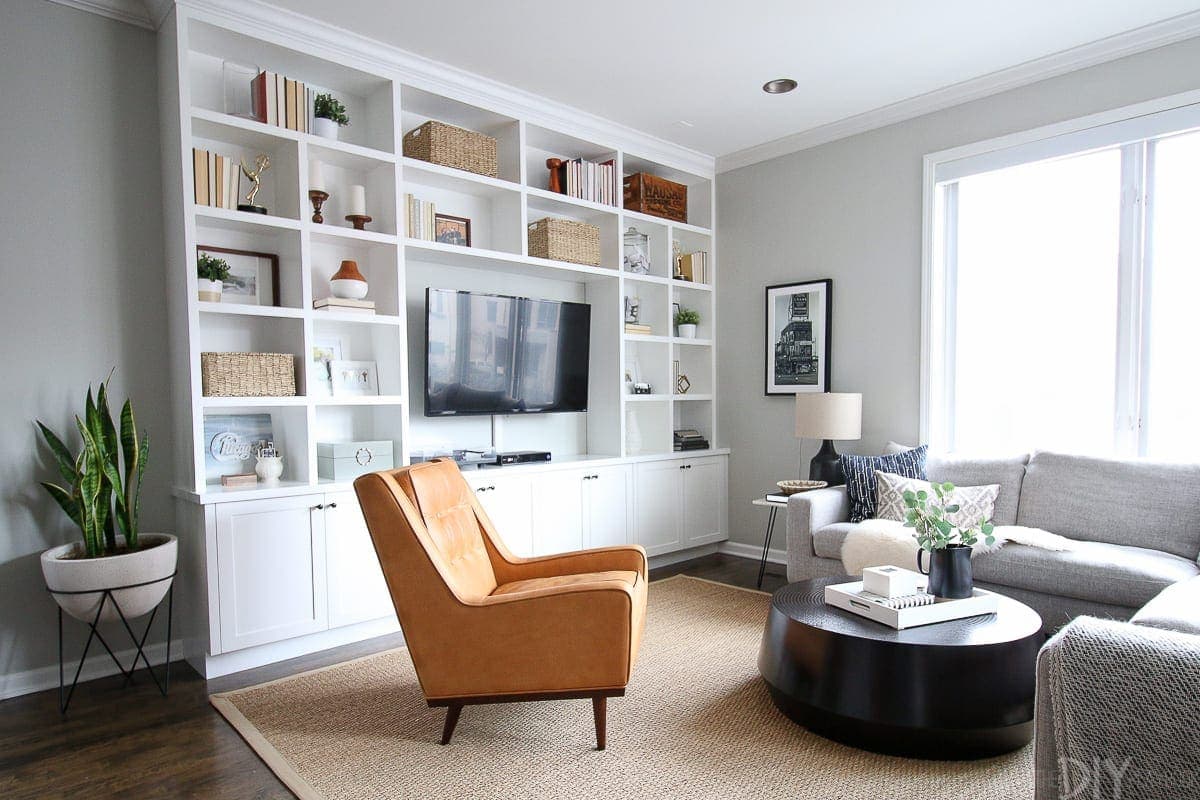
x=261, y=163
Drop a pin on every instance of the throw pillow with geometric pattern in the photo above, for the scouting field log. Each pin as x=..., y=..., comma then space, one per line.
x=974, y=502
x=860, y=477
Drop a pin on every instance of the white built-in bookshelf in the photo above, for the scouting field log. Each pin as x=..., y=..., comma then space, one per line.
x=384, y=103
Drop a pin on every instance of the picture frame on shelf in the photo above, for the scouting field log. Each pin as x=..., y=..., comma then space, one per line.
x=452, y=230
x=633, y=372
x=231, y=442
x=253, y=276
x=326, y=349
x=353, y=378
x=799, y=325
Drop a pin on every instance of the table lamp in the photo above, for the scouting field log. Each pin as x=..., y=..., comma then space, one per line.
x=828, y=416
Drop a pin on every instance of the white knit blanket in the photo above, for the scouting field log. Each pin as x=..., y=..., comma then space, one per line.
x=882, y=542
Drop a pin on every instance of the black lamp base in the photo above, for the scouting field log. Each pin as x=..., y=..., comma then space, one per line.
x=826, y=465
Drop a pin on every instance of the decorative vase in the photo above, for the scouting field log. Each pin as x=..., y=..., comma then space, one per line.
x=949, y=571
x=687, y=331
x=325, y=128
x=269, y=469
x=210, y=291
x=348, y=283
x=65, y=570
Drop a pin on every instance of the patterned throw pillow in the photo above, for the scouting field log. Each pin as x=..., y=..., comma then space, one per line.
x=974, y=502
x=860, y=477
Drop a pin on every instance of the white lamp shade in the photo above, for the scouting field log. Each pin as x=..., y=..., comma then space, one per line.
x=829, y=415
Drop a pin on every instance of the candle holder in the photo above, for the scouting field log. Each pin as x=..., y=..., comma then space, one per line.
x=358, y=220
x=318, y=199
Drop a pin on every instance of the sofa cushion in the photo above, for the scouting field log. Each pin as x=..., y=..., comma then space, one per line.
x=1176, y=608
x=1093, y=571
x=860, y=477
x=975, y=503
x=1008, y=472
x=827, y=541
x=1135, y=503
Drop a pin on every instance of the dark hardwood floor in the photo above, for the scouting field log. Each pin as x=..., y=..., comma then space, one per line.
x=132, y=742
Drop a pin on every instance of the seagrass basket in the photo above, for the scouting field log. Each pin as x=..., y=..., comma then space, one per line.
x=248, y=374
x=439, y=143
x=565, y=240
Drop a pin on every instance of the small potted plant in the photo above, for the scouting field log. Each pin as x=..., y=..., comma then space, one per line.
x=940, y=532
x=101, y=493
x=211, y=273
x=686, y=320
x=329, y=116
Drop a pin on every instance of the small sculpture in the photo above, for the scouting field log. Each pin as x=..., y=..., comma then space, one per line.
x=261, y=163
x=555, y=182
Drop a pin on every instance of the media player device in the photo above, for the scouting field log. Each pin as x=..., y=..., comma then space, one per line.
x=522, y=457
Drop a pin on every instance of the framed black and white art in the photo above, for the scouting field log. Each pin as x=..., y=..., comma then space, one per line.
x=799, y=323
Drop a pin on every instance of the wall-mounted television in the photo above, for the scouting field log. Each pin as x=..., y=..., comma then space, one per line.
x=496, y=354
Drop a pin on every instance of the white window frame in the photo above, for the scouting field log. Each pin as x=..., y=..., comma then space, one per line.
x=1127, y=127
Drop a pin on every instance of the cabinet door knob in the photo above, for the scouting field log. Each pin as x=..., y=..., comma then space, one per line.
x=681, y=466
x=318, y=507
x=331, y=505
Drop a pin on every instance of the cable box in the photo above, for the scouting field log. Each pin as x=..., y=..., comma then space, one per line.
x=522, y=457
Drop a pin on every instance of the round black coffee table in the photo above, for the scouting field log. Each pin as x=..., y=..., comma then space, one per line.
x=952, y=690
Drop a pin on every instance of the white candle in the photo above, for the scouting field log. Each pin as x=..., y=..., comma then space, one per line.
x=358, y=201
x=316, y=176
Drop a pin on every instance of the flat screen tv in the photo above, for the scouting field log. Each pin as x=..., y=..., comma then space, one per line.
x=496, y=354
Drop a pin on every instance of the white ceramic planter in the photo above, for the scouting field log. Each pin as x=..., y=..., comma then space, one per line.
x=687, y=331
x=210, y=290
x=269, y=469
x=348, y=288
x=86, y=574
x=326, y=128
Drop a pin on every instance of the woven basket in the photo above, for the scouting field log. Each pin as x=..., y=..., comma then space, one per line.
x=565, y=240
x=248, y=374
x=439, y=143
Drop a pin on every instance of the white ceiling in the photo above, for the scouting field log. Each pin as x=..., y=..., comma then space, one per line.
x=652, y=64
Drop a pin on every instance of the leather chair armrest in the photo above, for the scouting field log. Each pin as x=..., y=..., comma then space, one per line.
x=630, y=558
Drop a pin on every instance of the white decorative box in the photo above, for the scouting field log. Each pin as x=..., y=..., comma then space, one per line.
x=891, y=611
x=343, y=461
x=893, y=581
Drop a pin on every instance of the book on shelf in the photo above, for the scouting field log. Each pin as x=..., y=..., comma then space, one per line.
x=420, y=218
x=775, y=496
x=587, y=180
x=345, y=304
x=689, y=439
x=279, y=100
x=641, y=330
x=215, y=179
x=694, y=267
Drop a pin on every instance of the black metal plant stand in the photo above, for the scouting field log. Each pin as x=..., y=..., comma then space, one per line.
x=139, y=642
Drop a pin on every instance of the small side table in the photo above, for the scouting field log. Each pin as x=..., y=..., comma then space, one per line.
x=774, y=506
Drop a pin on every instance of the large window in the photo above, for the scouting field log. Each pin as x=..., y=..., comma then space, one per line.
x=1064, y=302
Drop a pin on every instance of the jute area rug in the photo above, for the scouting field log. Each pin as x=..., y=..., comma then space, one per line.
x=696, y=722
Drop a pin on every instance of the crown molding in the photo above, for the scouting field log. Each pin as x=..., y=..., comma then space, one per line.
x=1149, y=37
x=157, y=11
x=132, y=12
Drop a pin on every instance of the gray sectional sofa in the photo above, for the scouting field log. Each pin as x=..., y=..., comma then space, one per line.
x=1136, y=525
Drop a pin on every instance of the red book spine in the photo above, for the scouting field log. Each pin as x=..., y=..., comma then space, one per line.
x=258, y=94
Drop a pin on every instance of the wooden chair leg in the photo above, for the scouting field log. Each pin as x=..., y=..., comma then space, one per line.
x=452, y=712
x=600, y=713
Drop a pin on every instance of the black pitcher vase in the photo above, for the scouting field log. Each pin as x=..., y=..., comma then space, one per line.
x=949, y=571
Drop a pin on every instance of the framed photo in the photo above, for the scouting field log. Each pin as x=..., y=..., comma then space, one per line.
x=253, y=277
x=353, y=378
x=230, y=442
x=452, y=230
x=325, y=350
x=799, y=324
x=633, y=371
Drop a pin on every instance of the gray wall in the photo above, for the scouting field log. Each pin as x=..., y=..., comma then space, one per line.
x=81, y=271
x=851, y=211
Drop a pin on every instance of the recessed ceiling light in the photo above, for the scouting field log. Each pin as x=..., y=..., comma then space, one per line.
x=779, y=86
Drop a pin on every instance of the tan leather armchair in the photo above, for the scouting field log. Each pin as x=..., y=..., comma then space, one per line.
x=484, y=626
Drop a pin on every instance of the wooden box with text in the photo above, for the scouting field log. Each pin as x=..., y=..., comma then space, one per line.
x=658, y=197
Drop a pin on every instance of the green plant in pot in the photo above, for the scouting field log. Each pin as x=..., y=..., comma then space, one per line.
x=211, y=273
x=329, y=116
x=940, y=532
x=100, y=491
x=686, y=320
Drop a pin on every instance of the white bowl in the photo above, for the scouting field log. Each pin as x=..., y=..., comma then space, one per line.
x=348, y=289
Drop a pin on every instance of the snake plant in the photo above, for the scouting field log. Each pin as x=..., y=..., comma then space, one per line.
x=94, y=493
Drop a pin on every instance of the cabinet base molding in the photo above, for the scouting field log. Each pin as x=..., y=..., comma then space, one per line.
x=667, y=559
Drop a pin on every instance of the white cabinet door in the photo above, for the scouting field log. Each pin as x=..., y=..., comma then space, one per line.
x=608, y=506
x=658, y=490
x=508, y=503
x=271, y=570
x=357, y=590
x=703, y=501
x=558, y=512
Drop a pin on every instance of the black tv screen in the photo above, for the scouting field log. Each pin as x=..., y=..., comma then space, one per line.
x=496, y=354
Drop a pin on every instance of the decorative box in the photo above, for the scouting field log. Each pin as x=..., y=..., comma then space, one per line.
x=248, y=374
x=343, y=461
x=439, y=143
x=565, y=240
x=658, y=197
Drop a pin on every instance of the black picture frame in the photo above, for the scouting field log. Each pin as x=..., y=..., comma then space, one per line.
x=268, y=261
x=808, y=362
x=457, y=230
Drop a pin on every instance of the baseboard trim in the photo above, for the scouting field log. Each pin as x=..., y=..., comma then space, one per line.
x=667, y=559
x=224, y=664
x=754, y=551
x=98, y=665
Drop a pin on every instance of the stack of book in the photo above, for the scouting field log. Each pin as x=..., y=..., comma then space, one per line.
x=420, y=218
x=694, y=267
x=282, y=101
x=587, y=180
x=688, y=439
x=216, y=179
x=345, y=305
x=638, y=328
